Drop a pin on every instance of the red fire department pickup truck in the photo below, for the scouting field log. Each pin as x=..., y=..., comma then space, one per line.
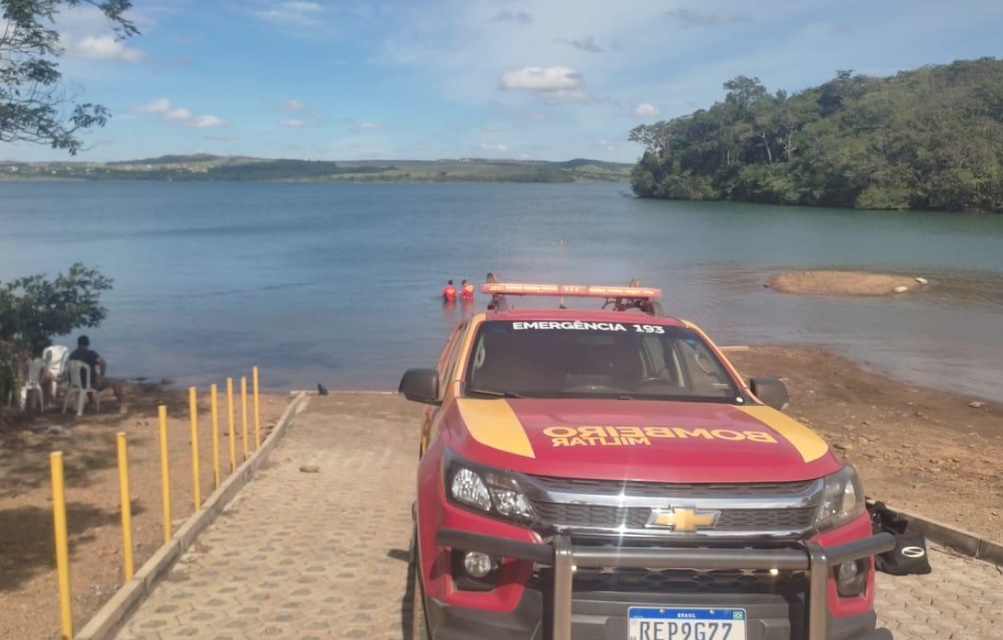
x=607, y=474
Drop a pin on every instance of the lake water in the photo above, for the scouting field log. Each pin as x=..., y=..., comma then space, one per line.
x=340, y=283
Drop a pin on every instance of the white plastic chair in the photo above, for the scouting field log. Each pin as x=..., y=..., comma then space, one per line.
x=33, y=384
x=76, y=367
x=55, y=361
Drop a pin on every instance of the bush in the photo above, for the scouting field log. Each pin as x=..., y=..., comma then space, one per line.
x=34, y=309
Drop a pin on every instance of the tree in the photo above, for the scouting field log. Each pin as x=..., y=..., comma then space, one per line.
x=930, y=138
x=33, y=309
x=744, y=91
x=35, y=106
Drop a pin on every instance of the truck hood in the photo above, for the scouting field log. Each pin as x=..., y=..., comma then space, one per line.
x=640, y=440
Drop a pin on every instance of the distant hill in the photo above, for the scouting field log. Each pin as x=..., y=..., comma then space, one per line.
x=206, y=167
x=579, y=163
x=197, y=157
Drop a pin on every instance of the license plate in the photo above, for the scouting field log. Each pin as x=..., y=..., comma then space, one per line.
x=664, y=623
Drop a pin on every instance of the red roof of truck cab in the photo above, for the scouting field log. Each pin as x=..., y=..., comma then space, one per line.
x=585, y=315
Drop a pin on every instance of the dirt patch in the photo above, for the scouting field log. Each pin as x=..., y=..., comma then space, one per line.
x=29, y=605
x=918, y=449
x=843, y=283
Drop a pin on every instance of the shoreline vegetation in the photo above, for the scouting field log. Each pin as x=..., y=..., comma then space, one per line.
x=206, y=168
x=845, y=283
x=925, y=139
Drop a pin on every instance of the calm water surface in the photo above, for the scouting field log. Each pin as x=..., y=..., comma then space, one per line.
x=339, y=283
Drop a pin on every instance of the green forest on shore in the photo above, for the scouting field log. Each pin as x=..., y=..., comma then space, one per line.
x=930, y=138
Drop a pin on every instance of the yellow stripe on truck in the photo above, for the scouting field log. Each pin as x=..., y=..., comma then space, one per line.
x=807, y=442
x=494, y=424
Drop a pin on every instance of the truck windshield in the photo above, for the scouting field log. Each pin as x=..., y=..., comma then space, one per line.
x=562, y=359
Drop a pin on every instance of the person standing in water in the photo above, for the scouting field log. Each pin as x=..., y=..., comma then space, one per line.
x=449, y=292
x=466, y=291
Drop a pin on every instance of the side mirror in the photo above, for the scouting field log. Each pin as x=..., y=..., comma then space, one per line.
x=770, y=391
x=421, y=385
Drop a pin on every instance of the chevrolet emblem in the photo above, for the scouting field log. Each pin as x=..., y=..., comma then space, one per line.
x=683, y=519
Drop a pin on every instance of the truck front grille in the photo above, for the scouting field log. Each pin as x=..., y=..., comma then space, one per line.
x=775, y=509
x=590, y=516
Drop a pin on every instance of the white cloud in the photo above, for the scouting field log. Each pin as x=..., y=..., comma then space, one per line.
x=542, y=79
x=161, y=105
x=293, y=105
x=557, y=84
x=292, y=13
x=605, y=144
x=105, y=47
x=180, y=113
x=85, y=34
x=369, y=126
x=293, y=123
x=206, y=122
x=646, y=110
x=166, y=111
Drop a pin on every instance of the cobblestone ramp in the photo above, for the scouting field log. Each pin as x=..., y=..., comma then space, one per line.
x=961, y=600
x=324, y=555
x=304, y=555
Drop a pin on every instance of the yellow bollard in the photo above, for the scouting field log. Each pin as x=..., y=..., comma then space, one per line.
x=165, y=473
x=257, y=409
x=243, y=412
x=229, y=415
x=193, y=412
x=123, y=490
x=215, y=436
x=62, y=547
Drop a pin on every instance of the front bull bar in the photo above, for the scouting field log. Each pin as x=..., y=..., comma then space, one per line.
x=565, y=558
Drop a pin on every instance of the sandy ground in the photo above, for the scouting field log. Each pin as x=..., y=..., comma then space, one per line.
x=29, y=606
x=841, y=283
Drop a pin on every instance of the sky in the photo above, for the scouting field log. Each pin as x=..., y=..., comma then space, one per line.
x=424, y=79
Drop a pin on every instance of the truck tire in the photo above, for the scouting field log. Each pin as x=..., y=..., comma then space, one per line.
x=419, y=626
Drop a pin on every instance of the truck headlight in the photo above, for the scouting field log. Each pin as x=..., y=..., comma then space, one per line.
x=842, y=499
x=492, y=491
x=468, y=488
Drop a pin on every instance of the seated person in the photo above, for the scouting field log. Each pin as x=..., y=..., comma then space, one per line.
x=96, y=367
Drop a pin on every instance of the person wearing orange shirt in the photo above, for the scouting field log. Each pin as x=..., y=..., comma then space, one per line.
x=449, y=292
x=466, y=291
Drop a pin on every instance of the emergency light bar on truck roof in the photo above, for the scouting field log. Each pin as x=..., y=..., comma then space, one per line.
x=570, y=290
x=618, y=298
